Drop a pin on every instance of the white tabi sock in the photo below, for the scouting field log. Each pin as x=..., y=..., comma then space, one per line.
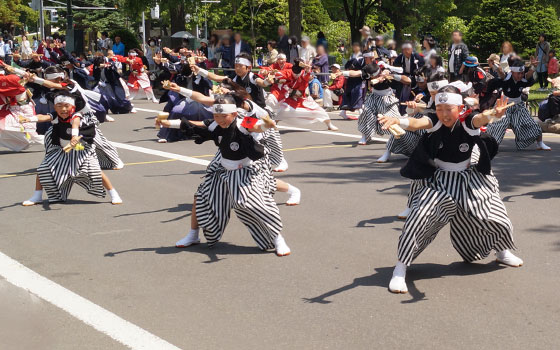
x=541, y=146
x=295, y=195
x=115, y=198
x=283, y=166
x=36, y=198
x=331, y=126
x=282, y=248
x=507, y=258
x=404, y=213
x=190, y=239
x=385, y=157
x=398, y=283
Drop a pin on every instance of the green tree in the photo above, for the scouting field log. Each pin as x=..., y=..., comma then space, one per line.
x=519, y=21
x=16, y=14
x=442, y=32
x=263, y=16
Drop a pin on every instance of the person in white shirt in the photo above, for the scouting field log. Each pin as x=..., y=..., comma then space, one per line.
x=306, y=52
x=25, y=48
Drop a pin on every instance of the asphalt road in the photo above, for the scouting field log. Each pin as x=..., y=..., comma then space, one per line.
x=331, y=293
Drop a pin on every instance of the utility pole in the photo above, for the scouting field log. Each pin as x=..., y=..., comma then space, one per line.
x=41, y=20
x=69, y=27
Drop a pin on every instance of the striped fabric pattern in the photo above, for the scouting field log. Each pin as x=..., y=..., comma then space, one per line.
x=272, y=141
x=60, y=170
x=106, y=153
x=518, y=118
x=249, y=192
x=368, y=124
x=470, y=202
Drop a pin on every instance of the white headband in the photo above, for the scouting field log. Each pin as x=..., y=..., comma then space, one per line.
x=243, y=61
x=461, y=86
x=368, y=54
x=436, y=85
x=51, y=76
x=449, y=98
x=132, y=53
x=65, y=99
x=224, y=108
x=517, y=69
x=407, y=46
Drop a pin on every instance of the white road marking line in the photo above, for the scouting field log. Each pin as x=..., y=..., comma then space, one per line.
x=354, y=136
x=90, y=313
x=146, y=110
x=161, y=153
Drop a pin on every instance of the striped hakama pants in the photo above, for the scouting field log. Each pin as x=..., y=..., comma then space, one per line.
x=273, y=143
x=519, y=119
x=407, y=143
x=470, y=202
x=60, y=170
x=106, y=153
x=368, y=125
x=249, y=192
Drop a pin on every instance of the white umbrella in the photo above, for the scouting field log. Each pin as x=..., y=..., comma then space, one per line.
x=183, y=34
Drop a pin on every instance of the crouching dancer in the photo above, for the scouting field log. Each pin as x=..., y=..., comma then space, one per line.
x=450, y=190
x=70, y=156
x=238, y=178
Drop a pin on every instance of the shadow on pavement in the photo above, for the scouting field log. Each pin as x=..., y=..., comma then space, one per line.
x=178, y=209
x=415, y=273
x=213, y=252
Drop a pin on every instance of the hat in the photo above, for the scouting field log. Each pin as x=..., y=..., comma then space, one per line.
x=471, y=61
x=305, y=38
x=493, y=57
x=365, y=29
x=204, y=41
x=379, y=37
x=336, y=65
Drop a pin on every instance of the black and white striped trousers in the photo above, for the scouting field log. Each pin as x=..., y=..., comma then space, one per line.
x=519, y=119
x=60, y=170
x=470, y=202
x=368, y=124
x=249, y=192
x=106, y=153
x=417, y=185
x=407, y=143
x=272, y=141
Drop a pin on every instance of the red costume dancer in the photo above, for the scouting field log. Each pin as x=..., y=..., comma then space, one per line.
x=297, y=106
x=138, y=79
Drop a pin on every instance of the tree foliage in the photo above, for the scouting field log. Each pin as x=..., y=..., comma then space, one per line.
x=519, y=21
x=16, y=13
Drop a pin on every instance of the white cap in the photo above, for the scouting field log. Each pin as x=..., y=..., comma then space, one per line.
x=336, y=65
x=305, y=38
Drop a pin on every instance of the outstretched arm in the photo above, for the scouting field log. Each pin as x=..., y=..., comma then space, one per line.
x=410, y=124
x=193, y=95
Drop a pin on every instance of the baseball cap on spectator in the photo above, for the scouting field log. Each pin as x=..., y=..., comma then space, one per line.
x=379, y=38
x=305, y=38
x=336, y=65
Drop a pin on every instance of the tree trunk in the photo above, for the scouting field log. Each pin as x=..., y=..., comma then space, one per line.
x=177, y=19
x=296, y=17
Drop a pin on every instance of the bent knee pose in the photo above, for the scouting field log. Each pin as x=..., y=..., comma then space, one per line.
x=518, y=118
x=449, y=190
x=238, y=178
x=74, y=163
